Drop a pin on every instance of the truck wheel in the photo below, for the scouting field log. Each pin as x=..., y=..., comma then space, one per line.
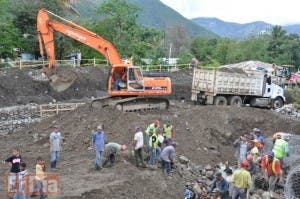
x=220, y=101
x=278, y=103
x=235, y=101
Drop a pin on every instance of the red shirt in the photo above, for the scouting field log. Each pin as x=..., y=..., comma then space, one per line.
x=268, y=165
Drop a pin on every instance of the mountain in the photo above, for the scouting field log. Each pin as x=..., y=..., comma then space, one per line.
x=232, y=30
x=237, y=30
x=153, y=14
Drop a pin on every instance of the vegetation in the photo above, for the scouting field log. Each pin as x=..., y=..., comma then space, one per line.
x=119, y=22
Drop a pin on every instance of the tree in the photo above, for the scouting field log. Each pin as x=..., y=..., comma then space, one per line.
x=278, y=37
x=119, y=26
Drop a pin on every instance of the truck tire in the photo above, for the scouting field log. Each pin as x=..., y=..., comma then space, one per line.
x=278, y=103
x=220, y=101
x=235, y=101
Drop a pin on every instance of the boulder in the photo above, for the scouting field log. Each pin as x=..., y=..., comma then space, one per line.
x=183, y=160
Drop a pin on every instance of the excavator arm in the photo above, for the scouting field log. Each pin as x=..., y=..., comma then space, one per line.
x=46, y=28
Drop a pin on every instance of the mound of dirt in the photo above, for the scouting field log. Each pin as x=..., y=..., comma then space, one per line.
x=28, y=86
x=31, y=86
x=205, y=135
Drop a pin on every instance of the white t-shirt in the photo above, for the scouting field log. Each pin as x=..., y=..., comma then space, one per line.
x=139, y=140
x=161, y=138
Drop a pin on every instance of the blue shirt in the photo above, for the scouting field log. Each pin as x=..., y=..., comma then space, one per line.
x=222, y=186
x=260, y=138
x=99, y=140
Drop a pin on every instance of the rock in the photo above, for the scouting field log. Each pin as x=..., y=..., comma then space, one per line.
x=266, y=195
x=208, y=167
x=183, y=160
x=209, y=174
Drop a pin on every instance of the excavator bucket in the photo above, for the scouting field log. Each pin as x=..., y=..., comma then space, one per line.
x=62, y=80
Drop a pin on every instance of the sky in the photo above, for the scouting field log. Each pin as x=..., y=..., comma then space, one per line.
x=276, y=12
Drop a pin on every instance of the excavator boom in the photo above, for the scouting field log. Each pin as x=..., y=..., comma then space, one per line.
x=125, y=81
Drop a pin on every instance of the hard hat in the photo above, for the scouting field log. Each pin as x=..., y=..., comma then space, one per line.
x=249, y=157
x=156, y=122
x=123, y=147
x=256, y=130
x=244, y=164
x=56, y=126
x=270, y=154
x=286, y=137
x=137, y=128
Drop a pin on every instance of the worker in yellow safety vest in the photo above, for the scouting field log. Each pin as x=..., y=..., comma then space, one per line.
x=168, y=131
x=152, y=127
x=280, y=148
x=153, y=144
x=282, y=134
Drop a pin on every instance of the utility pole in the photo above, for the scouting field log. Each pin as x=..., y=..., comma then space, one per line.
x=170, y=52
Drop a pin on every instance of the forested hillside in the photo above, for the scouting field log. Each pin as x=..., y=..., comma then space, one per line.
x=120, y=22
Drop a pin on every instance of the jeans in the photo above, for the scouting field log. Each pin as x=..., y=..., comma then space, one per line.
x=98, y=162
x=239, y=193
x=272, y=182
x=138, y=155
x=20, y=194
x=158, y=152
x=152, y=156
x=53, y=158
x=166, y=166
x=39, y=188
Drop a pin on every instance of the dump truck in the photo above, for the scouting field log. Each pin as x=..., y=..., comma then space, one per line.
x=227, y=87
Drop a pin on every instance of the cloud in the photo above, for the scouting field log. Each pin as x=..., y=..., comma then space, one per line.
x=242, y=11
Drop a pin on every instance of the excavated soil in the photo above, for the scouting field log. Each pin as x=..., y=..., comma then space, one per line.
x=22, y=87
x=205, y=135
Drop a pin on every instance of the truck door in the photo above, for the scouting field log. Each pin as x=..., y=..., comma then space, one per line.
x=135, y=79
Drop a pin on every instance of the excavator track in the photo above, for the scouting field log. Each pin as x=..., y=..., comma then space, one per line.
x=132, y=104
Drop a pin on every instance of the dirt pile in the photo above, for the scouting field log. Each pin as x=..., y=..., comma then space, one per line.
x=29, y=86
x=204, y=134
x=22, y=87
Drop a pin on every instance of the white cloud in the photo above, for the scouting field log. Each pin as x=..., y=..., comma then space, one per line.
x=241, y=11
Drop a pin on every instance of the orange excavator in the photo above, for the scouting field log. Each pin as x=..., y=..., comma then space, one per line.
x=127, y=89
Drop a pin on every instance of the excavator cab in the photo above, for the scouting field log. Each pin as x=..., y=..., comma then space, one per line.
x=126, y=79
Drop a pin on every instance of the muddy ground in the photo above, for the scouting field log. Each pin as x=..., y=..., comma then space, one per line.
x=204, y=133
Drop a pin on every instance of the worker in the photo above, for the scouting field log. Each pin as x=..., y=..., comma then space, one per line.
x=200, y=189
x=152, y=126
x=167, y=157
x=111, y=150
x=279, y=133
x=241, y=180
x=221, y=185
x=280, y=148
x=168, y=131
x=243, y=147
x=254, y=151
x=98, y=141
x=272, y=170
x=160, y=139
x=55, y=139
x=253, y=171
x=138, y=144
x=228, y=178
x=257, y=136
x=153, y=144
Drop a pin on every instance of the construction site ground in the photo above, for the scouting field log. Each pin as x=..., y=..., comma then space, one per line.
x=204, y=134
